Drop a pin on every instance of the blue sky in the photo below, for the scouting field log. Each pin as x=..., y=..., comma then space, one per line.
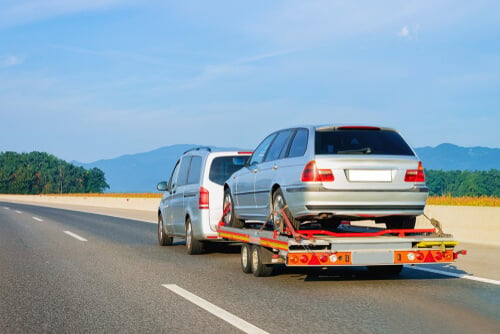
x=94, y=79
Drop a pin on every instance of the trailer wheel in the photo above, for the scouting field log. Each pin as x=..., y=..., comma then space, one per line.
x=385, y=271
x=279, y=203
x=246, y=258
x=258, y=268
x=230, y=218
x=163, y=238
x=193, y=245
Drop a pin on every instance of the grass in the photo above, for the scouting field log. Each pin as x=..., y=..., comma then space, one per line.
x=464, y=201
x=433, y=200
x=112, y=195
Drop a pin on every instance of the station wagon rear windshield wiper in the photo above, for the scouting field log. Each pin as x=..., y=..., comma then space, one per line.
x=364, y=150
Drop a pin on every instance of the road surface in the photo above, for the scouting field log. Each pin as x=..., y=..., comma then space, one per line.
x=69, y=271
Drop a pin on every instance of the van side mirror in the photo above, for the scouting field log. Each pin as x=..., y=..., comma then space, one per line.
x=163, y=186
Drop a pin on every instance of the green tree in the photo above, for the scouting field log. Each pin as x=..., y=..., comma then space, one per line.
x=39, y=172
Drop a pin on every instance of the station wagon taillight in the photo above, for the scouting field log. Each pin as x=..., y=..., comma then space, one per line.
x=311, y=173
x=415, y=175
x=203, y=201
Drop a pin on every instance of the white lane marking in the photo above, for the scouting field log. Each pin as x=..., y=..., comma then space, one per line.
x=76, y=236
x=6, y=208
x=37, y=219
x=17, y=211
x=447, y=273
x=215, y=310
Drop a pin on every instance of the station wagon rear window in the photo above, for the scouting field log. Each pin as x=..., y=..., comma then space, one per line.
x=361, y=141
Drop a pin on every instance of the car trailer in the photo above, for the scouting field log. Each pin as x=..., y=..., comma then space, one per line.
x=383, y=251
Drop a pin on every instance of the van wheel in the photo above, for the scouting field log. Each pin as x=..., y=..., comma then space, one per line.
x=246, y=258
x=279, y=203
x=163, y=238
x=193, y=245
x=230, y=218
x=400, y=223
x=258, y=268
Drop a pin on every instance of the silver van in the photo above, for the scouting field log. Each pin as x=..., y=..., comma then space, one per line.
x=191, y=206
x=329, y=174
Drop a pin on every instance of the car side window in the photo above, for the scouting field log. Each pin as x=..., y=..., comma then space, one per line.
x=173, y=177
x=280, y=144
x=299, y=143
x=194, y=170
x=183, y=171
x=260, y=152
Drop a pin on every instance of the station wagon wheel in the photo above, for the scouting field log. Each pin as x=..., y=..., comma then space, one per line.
x=230, y=218
x=258, y=268
x=193, y=245
x=279, y=203
x=401, y=222
x=163, y=238
x=246, y=258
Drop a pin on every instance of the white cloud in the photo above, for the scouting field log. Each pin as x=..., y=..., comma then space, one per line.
x=404, y=32
x=10, y=61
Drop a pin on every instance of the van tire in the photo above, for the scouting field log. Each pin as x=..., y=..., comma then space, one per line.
x=163, y=238
x=193, y=245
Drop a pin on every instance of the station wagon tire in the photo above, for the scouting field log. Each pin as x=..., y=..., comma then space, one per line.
x=385, y=271
x=246, y=258
x=193, y=245
x=279, y=203
x=163, y=238
x=258, y=268
x=399, y=223
x=230, y=218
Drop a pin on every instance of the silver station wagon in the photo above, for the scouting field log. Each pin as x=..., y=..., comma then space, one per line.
x=329, y=174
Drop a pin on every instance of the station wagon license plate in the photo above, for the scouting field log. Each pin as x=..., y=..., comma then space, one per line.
x=359, y=175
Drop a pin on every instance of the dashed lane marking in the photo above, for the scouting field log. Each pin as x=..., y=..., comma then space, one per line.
x=215, y=310
x=17, y=211
x=447, y=273
x=76, y=236
x=37, y=219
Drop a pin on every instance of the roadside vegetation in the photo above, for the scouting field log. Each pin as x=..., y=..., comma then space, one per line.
x=432, y=200
x=43, y=173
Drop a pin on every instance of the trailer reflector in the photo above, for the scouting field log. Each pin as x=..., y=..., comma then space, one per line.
x=423, y=256
x=319, y=259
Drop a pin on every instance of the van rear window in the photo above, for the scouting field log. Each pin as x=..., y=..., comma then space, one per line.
x=359, y=141
x=223, y=167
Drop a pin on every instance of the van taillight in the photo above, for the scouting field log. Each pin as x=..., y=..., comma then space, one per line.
x=415, y=175
x=311, y=173
x=203, y=202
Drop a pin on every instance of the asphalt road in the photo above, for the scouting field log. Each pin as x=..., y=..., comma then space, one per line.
x=66, y=271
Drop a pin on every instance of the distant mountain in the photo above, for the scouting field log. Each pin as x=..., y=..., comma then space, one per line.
x=453, y=157
x=142, y=171
x=138, y=173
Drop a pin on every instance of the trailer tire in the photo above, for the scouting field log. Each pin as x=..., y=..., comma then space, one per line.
x=246, y=258
x=385, y=271
x=230, y=218
x=193, y=245
x=279, y=203
x=259, y=269
x=163, y=238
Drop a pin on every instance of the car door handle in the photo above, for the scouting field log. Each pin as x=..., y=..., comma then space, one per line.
x=256, y=170
x=275, y=167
